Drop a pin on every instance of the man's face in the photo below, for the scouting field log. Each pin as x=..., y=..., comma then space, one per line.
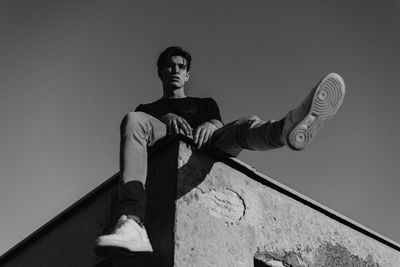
x=174, y=74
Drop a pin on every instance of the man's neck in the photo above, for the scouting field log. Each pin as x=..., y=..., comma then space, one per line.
x=177, y=93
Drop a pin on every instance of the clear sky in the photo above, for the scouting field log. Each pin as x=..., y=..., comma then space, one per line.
x=70, y=70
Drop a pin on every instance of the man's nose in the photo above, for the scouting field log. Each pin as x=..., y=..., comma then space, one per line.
x=175, y=69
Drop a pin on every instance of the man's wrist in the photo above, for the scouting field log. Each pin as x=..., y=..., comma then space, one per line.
x=209, y=124
x=216, y=123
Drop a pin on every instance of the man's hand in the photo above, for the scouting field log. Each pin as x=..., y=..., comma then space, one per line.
x=176, y=124
x=203, y=134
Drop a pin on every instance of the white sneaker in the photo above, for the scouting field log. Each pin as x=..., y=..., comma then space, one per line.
x=303, y=123
x=128, y=235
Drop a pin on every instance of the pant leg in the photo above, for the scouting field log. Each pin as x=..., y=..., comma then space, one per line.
x=138, y=131
x=250, y=133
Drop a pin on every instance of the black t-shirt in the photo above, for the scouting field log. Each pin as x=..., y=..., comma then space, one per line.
x=193, y=109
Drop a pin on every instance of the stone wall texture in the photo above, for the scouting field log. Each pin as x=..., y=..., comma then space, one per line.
x=205, y=209
x=226, y=218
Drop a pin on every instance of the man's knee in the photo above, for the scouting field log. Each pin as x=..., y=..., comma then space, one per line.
x=250, y=121
x=246, y=127
x=133, y=120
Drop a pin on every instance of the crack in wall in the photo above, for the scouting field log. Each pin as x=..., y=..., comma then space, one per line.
x=226, y=204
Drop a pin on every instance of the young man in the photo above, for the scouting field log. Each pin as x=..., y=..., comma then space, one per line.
x=200, y=119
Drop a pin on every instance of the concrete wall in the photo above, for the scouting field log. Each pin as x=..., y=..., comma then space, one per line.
x=233, y=216
x=205, y=209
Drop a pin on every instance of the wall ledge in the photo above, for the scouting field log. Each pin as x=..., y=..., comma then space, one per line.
x=216, y=211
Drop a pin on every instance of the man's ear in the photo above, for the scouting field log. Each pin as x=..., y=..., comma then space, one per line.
x=187, y=75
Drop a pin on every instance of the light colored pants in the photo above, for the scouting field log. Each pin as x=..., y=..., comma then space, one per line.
x=140, y=130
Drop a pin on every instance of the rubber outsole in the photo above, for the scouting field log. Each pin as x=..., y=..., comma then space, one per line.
x=327, y=98
x=110, y=247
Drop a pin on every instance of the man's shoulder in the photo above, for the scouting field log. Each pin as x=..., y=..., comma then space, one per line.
x=149, y=107
x=158, y=101
x=154, y=103
x=203, y=99
x=162, y=101
x=207, y=102
x=210, y=100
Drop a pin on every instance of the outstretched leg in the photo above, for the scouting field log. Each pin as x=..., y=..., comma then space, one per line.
x=296, y=130
x=250, y=133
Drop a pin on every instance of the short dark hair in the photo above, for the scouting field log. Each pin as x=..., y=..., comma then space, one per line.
x=173, y=51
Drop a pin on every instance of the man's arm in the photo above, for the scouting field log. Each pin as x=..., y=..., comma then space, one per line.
x=176, y=124
x=204, y=132
x=217, y=123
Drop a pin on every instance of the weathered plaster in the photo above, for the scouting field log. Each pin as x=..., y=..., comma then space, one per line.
x=225, y=218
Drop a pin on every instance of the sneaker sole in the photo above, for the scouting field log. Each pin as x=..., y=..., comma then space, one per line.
x=108, y=246
x=328, y=96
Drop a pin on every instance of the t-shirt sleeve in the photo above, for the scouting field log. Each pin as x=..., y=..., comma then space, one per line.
x=149, y=110
x=141, y=108
x=214, y=113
